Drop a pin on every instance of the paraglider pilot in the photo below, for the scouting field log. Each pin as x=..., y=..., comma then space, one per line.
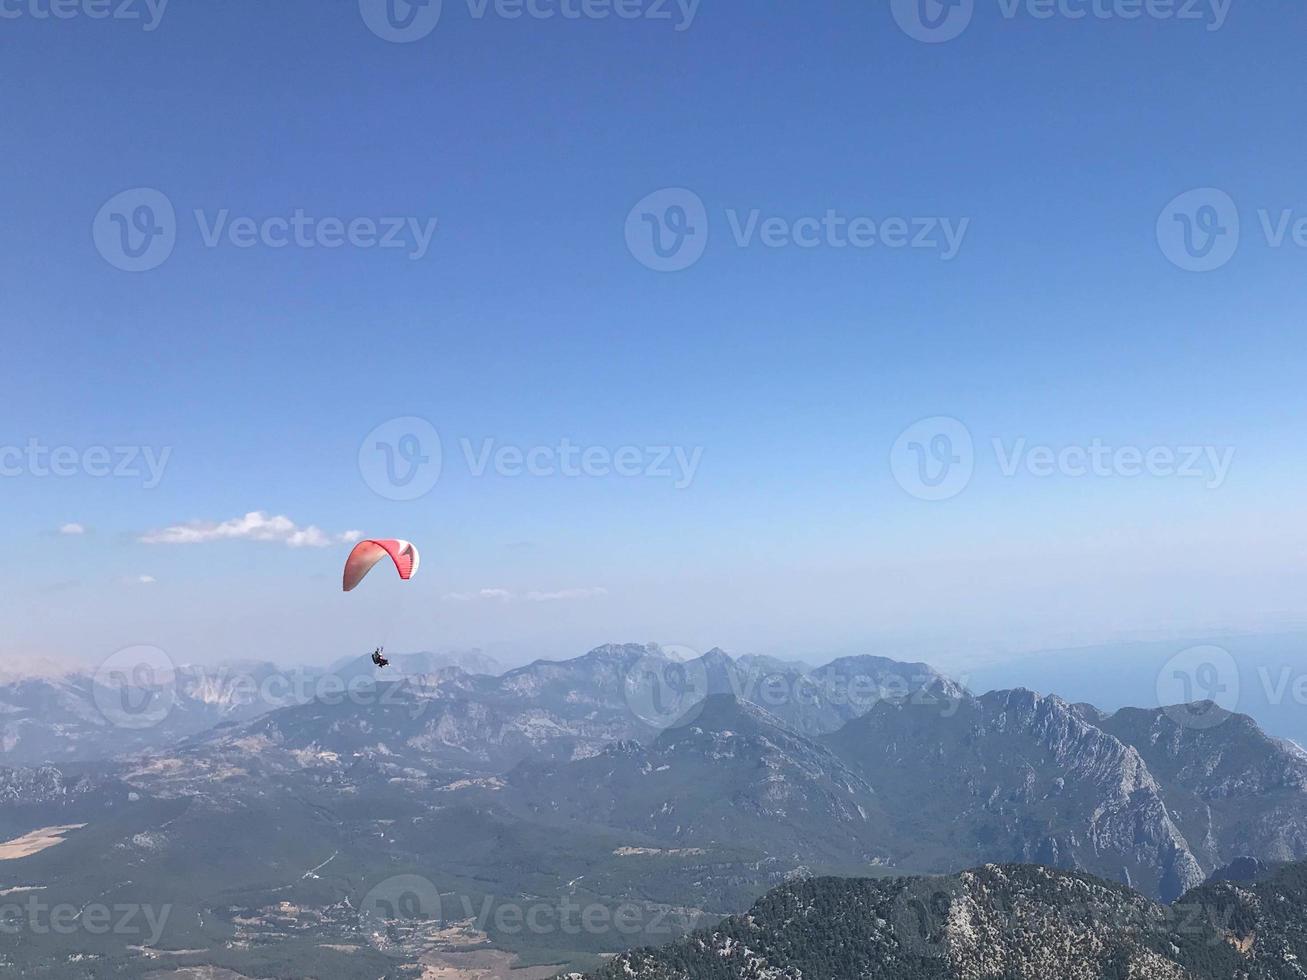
x=365, y=555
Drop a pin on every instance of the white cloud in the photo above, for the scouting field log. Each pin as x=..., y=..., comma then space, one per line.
x=504, y=595
x=146, y=579
x=72, y=528
x=254, y=526
x=501, y=594
x=564, y=594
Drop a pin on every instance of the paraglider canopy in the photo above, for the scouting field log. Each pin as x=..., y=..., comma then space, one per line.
x=367, y=553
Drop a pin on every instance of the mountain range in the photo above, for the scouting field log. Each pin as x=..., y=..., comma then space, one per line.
x=264, y=814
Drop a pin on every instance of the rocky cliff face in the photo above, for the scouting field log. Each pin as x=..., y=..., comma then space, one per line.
x=1026, y=778
x=1233, y=789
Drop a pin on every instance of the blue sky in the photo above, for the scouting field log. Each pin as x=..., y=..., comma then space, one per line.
x=526, y=320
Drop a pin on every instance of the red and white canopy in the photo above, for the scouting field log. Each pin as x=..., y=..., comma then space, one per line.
x=367, y=553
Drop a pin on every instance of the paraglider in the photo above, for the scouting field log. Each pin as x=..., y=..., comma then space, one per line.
x=365, y=556
x=367, y=553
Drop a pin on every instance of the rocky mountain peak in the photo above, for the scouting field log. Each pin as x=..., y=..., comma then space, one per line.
x=725, y=714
